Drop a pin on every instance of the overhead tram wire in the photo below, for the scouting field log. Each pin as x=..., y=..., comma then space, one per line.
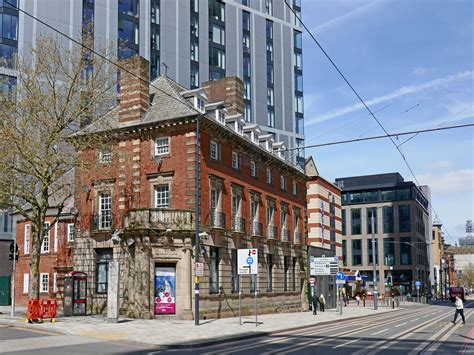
x=361, y=100
x=382, y=136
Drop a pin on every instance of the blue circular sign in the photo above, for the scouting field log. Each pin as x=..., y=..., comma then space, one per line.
x=249, y=260
x=340, y=276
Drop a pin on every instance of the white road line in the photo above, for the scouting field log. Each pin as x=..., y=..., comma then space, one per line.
x=384, y=330
x=401, y=324
x=349, y=342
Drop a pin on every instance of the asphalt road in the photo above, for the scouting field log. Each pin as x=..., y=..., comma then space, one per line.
x=417, y=330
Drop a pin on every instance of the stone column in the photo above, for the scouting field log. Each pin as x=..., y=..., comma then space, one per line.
x=113, y=291
x=187, y=282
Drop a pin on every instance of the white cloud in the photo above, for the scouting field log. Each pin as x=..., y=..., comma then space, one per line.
x=440, y=164
x=337, y=21
x=450, y=182
x=419, y=70
x=405, y=90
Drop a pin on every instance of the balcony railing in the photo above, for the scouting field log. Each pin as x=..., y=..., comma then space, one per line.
x=159, y=218
x=238, y=224
x=256, y=229
x=102, y=221
x=272, y=232
x=297, y=238
x=217, y=219
x=285, y=235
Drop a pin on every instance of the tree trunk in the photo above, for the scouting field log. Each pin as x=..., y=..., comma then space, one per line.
x=34, y=287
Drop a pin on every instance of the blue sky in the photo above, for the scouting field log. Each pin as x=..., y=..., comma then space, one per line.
x=410, y=60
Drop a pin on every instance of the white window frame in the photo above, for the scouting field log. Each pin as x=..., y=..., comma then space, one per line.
x=282, y=182
x=26, y=240
x=269, y=176
x=214, y=153
x=164, y=195
x=105, y=156
x=26, y=283
x=56, y=237
x=235, y=160
x=253, y=168
x=70, y=232
x=55, y=282
x=105, y=200
x=44, y=276
x=199, y=104
x=162, y=146
x=46, y=239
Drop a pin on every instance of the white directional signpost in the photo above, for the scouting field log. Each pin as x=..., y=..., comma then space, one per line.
x=247, y=264
x=324, y=265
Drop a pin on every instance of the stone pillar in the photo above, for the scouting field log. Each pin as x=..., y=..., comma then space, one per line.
x=113, y=291
x=187, y=282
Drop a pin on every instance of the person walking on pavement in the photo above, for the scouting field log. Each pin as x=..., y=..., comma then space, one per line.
x=322, y=303
x=358, y=300
x=459, y=310
x=315, y=301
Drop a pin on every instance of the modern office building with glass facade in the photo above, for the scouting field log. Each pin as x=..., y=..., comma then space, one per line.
x=191, y=41
x=401, y=231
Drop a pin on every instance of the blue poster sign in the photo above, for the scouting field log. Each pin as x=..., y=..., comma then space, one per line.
x=165, y=290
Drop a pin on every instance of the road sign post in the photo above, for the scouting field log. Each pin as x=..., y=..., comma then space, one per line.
x=247, y=264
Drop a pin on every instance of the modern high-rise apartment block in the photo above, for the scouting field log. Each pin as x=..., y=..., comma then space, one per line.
x=401, y=217
x=191, y=41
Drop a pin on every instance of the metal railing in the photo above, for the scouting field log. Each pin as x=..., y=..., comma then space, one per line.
x=256, y=229
x=272, y=232
x=297, y=238
x=285, y=235
x=102, y=221
x=238, y=224
x=217, y=219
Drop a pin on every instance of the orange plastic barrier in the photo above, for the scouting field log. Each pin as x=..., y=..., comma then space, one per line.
x=48, y=309
x=33, y=310
x=37, y=310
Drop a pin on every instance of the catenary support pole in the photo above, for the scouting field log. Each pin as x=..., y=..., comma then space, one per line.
x=374, y=260
x=197, y=180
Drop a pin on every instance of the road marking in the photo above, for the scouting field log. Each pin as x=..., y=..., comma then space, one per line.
x=283, y=335
x=435, y=345
x=383, y=344
x=470, y=336
x=311, y=343
x=401, y=324
x=413, y=320
x=384, y=330
x=349, y=342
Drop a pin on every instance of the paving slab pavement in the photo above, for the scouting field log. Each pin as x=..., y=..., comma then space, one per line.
x=168, y=333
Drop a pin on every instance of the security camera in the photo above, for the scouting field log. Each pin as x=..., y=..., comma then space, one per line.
x=203, y=235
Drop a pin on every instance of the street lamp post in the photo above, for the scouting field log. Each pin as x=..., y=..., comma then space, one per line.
x=374, y=262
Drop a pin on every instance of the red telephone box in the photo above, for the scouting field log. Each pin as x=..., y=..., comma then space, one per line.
x=75, y=294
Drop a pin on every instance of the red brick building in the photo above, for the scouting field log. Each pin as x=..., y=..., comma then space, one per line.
x=323, y=225
x=57, y=251
x=139, y=209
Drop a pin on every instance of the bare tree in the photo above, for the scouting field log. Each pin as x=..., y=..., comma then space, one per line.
x=58, y=91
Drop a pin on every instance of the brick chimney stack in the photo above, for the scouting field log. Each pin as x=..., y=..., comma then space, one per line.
x=230, y=90
x=134, y=93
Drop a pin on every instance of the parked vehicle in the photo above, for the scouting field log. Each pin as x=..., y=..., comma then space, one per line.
x=456, y=291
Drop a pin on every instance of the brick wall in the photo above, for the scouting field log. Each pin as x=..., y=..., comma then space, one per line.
x=57, y=260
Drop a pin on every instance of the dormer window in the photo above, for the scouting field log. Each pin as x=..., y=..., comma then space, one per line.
x=220, y=116
x=255, y=138
x=199, y=104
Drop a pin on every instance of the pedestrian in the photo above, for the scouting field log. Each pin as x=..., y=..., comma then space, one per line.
x=459, y=309
x=358, y=300
x=315, y=301
x=322, y=303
